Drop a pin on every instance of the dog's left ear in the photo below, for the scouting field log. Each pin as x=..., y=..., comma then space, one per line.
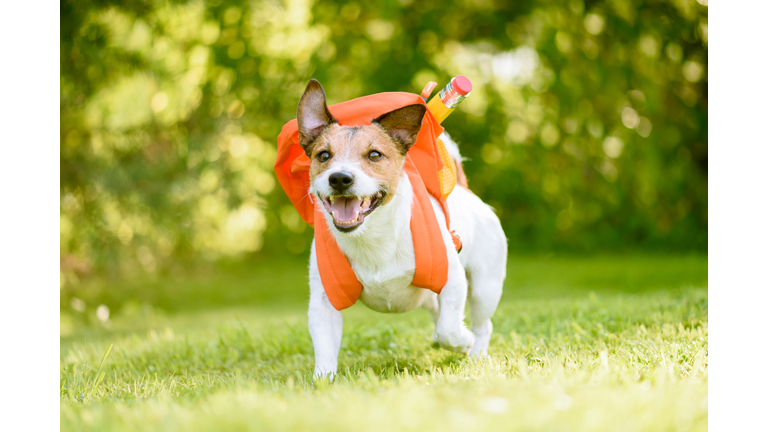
x=312, y=115
x=403, y=124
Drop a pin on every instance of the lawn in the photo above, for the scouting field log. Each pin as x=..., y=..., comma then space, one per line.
x=600, y=343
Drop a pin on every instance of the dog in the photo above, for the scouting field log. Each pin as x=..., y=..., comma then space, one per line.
x=356, y=174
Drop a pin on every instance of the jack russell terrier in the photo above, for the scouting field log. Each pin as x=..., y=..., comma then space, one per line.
x=357, y=174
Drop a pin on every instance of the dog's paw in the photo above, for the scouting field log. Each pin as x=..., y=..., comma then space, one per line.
x=482, y=338
x=478, y=352
x=460, y=342
x=323, y=375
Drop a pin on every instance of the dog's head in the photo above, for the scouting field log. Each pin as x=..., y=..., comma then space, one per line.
x=354, y=170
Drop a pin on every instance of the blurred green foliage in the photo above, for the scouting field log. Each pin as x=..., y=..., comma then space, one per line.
x=586, y=130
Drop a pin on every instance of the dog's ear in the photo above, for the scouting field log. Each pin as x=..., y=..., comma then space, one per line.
x=312, y=115
x=403, y=124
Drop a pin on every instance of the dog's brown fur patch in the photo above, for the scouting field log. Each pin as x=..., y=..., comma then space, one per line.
x=354, y=144
x=391, y=134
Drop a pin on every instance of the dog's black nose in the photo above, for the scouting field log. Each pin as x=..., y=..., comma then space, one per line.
x=341, y=181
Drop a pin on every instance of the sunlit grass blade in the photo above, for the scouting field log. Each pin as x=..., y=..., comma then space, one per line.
x=99, y=373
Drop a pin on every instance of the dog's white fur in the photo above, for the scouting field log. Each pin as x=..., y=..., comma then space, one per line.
x=381, y=254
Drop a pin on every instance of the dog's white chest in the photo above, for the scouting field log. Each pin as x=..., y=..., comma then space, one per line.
x=381, y=253
x=395, y=294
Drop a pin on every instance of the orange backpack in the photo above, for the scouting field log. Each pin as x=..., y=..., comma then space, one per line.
x=430, y=170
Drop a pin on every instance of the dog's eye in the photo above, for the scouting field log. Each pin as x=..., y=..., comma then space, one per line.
x=323, y=156
x=374, y=155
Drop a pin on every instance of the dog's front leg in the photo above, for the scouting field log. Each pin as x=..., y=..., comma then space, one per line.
x=325, y=323
x=451, y=332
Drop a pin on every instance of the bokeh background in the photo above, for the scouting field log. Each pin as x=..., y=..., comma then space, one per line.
x=586, y=129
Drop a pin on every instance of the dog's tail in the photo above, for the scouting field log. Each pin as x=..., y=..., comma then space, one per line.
x=453, y=150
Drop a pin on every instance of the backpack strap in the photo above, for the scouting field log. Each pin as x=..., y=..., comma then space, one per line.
x=339, y=280
x=431, y=255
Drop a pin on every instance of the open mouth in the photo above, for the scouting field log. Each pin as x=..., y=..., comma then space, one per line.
x=349, y=211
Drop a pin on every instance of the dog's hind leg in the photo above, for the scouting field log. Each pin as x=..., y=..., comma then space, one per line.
x=450, y=331
x=484, y=296
x=486, y=281
x=325, y=324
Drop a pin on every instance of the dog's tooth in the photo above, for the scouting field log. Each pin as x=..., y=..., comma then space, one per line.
x=331, y=199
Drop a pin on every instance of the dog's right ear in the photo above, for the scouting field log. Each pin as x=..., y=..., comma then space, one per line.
x=403, y=124
x=312, y=115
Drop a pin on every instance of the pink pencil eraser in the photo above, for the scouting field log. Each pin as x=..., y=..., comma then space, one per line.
x=462, y=85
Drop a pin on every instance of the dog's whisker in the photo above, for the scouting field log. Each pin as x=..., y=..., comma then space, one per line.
x=302, y=198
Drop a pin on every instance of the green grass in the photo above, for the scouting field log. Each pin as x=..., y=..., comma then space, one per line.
x=589, y=343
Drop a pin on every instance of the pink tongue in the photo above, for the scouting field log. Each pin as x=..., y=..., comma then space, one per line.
x=344, y=208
